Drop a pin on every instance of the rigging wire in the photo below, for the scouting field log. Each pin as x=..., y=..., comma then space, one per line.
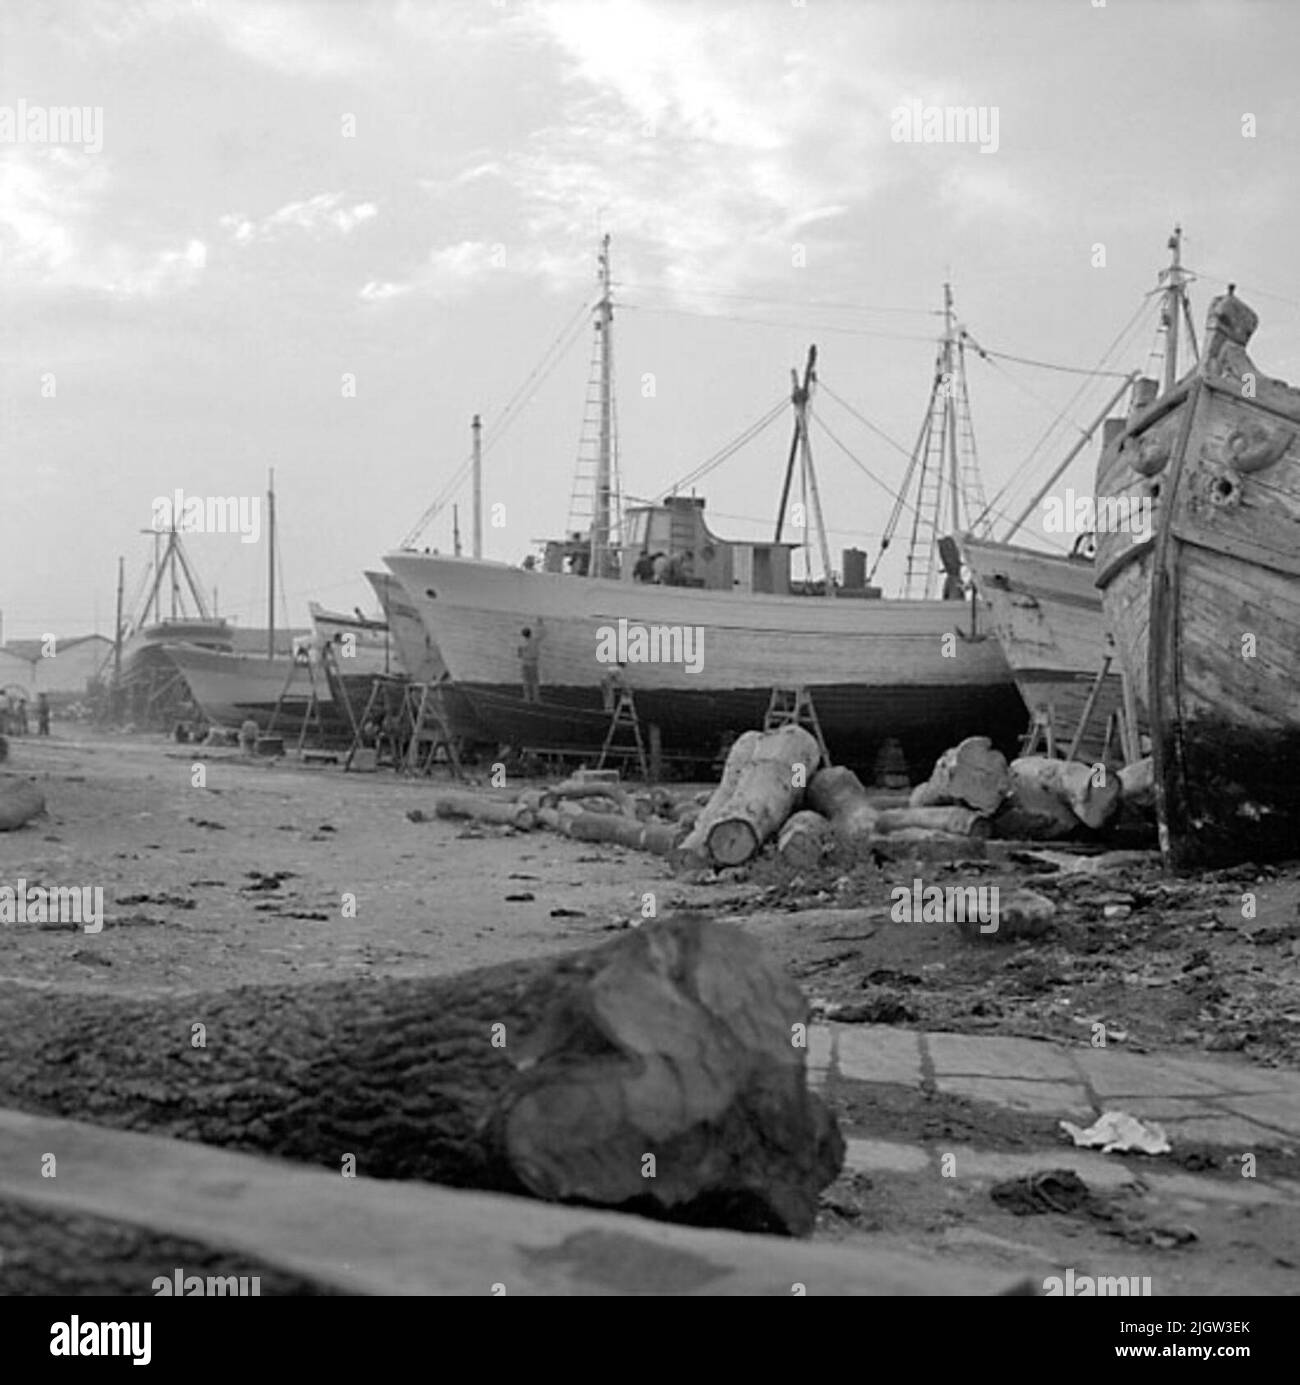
x=505, y=417
x=995, y=506
x=729, y=449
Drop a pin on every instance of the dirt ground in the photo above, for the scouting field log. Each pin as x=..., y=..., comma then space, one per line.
x=244, y=880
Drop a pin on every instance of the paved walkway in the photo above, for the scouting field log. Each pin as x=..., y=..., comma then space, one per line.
x=1216, y=1101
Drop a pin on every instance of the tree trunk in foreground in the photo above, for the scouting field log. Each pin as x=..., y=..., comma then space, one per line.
x=559, y=1077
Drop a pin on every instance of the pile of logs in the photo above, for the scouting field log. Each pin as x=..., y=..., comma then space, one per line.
x=774, y=789
x=591, y=807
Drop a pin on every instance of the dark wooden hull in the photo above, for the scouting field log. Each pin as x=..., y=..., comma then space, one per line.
x=855, y=720
x=1207, y=612
x=1048, y=617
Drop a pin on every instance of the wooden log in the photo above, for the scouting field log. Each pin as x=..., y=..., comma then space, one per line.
x=1093, y=798
x=1138, y=786
x=973, y=774
x=957, y=821
x=20, y=801
x=694, y=847
x=658, y=837
x=617, y=799
x=554, y=1076
x=766, y=791
x=467, y=805
x=925, y=844
x=837, y=794
x=804, y=840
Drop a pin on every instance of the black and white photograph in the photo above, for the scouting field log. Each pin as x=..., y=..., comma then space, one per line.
x=648, y=648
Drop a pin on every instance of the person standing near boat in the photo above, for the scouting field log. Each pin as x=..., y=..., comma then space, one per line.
x=659, y=567
x=530, y=659
x=42, y=714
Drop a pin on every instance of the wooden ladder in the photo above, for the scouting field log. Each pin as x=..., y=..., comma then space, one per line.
x=429, y=732
x=624, y=715
x=794, y=706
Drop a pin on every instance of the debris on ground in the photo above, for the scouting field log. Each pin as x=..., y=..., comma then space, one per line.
x=1116, y=1132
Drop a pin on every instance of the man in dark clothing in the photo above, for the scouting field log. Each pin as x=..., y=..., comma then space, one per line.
x=42, y=714
x=644, y=570
x=530, y=657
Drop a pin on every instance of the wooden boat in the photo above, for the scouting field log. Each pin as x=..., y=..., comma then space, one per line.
x=875, y=668
x=416, y=654
x=1206, y=611
x=1047, y=614
x=361, y=650
x=918, y=670
x=233, y=688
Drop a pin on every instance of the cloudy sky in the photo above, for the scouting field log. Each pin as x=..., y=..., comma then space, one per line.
x=320, y=236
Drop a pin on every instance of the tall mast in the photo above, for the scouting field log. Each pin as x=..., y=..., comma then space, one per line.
x=477, y=537
x=1173, y=306
x=270, y=564
x=950, y=405
x=604, y=325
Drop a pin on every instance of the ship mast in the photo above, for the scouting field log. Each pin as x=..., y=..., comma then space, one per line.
x=944, y=459
x=1176, y=306
x=604, y=326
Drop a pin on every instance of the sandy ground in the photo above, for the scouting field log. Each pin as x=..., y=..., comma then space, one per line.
x=244, y=880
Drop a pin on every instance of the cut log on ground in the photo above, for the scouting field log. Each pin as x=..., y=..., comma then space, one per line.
x=558, y=1077
x=659, y=837
x=956, y=820
x=804, y=840
x=973, y=774
x=1138, y=785
x=767, y=790
x=1091, y=796
x=466, y=805
x=762, y=783
x=924, y=844
x=20, y=801
x=837, y=794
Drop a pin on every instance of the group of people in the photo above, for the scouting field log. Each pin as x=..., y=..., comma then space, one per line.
x=678, y=571
x=13, y=714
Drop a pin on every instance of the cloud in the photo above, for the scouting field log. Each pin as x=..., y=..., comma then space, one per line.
x=52, y=237
x=313, y=216
x=985, y=189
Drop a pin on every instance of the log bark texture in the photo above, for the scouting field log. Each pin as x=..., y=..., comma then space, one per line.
x=768, y=788
x=837, y=794
x=1074, y=784
x=804, y=839
x=673, y=1040
x=973, y=774
x=468, y=805
x=956, y=821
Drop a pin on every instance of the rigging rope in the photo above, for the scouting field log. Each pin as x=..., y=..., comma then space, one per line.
x=550, y=358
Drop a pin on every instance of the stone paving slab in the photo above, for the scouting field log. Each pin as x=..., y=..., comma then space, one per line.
x=980, y=1056
x=1210, y=1100
x=879, y=1053
x=1038, y=1097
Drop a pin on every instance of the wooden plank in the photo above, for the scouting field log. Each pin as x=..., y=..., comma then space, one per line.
x=367, y=1236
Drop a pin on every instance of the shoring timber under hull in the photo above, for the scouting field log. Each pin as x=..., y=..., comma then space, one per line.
x=1207, y=613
